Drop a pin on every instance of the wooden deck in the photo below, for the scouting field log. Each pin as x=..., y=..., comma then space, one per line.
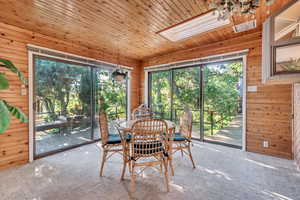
x=232, y=134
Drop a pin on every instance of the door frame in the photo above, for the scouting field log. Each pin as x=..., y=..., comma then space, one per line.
x=148, y=70
x=31, y=70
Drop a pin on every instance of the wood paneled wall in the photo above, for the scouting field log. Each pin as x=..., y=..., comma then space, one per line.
x=13, y=41
x=297, y=123
x=268, y=110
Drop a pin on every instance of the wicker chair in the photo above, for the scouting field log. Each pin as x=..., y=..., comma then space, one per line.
x=111, y=143
x=141, y=112
x=182, y=139
x=148, y=147
x=125, y=138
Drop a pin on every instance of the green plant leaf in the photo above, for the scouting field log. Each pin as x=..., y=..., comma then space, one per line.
x=3, y=82
x=4, y=117
x=16, y=112
x=9, y=65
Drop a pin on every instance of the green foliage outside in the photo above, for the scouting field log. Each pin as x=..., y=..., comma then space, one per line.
x=222, y=99
x=64, y=89
x=222, y=92
x=160, y=94
x=113, y=94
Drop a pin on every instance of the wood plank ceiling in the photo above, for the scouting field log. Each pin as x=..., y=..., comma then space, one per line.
x=126, y=27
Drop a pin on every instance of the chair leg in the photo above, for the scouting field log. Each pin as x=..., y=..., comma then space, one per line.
x=181, y=149
x=103, y=161
x=165, y=162
x=190, y=154
x=133, y=179
x=130, y=166
x=124, y=168
x=170, y=161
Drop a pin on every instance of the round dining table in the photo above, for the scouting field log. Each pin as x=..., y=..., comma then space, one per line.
x=126, y=127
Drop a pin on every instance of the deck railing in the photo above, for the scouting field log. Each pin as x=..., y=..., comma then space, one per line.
x=42, y=124
x=211, y=122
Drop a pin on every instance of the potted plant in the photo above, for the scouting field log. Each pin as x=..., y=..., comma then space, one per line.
x=6, y=110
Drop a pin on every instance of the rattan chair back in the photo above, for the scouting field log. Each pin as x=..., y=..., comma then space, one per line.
x=149, y=138
x=142, y=112
x=104, y=131
x=186, y=123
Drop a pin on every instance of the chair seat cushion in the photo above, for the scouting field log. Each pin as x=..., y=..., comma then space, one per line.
x=148, y=147
x=179, y=137
x=115, y=139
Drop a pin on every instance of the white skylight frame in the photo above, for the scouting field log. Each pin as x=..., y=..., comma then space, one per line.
x=195, y=26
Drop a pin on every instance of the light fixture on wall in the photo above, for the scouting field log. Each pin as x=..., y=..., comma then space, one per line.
x=227, y=8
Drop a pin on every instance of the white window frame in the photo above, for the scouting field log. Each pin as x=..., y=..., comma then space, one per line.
x=88, y=61
x=206, y=60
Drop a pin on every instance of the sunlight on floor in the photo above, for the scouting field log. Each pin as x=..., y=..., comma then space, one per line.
x=218, y=174
x=177, y=187
x=260, y=164
x=276, y=195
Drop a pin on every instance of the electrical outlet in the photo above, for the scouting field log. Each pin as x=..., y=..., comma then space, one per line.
x=252, y=88
x=265, y=144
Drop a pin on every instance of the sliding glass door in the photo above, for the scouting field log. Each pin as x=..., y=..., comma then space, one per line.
x=160, y=94
x=114, y=93
x=223, y=101
x=186, y=92
x=214, y=94
x=170, y=91
x=66, y=103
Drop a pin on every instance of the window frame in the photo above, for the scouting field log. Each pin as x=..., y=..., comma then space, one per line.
x=93, y=115
x=277, y=44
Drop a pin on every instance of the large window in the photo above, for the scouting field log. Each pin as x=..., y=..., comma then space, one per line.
x=213, y=92
x=66, y=103
x=114, y=93
x=160, y=94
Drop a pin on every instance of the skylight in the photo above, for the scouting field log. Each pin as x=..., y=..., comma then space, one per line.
x=200, y=24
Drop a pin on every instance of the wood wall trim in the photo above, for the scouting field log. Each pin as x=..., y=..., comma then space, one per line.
x=14, y=143
x=268, y=115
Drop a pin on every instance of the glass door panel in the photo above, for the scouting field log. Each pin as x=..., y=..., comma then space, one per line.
x=186, y=90
x=223, y=92
x=115, y=96
x=63, y=98
x=160, y=94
